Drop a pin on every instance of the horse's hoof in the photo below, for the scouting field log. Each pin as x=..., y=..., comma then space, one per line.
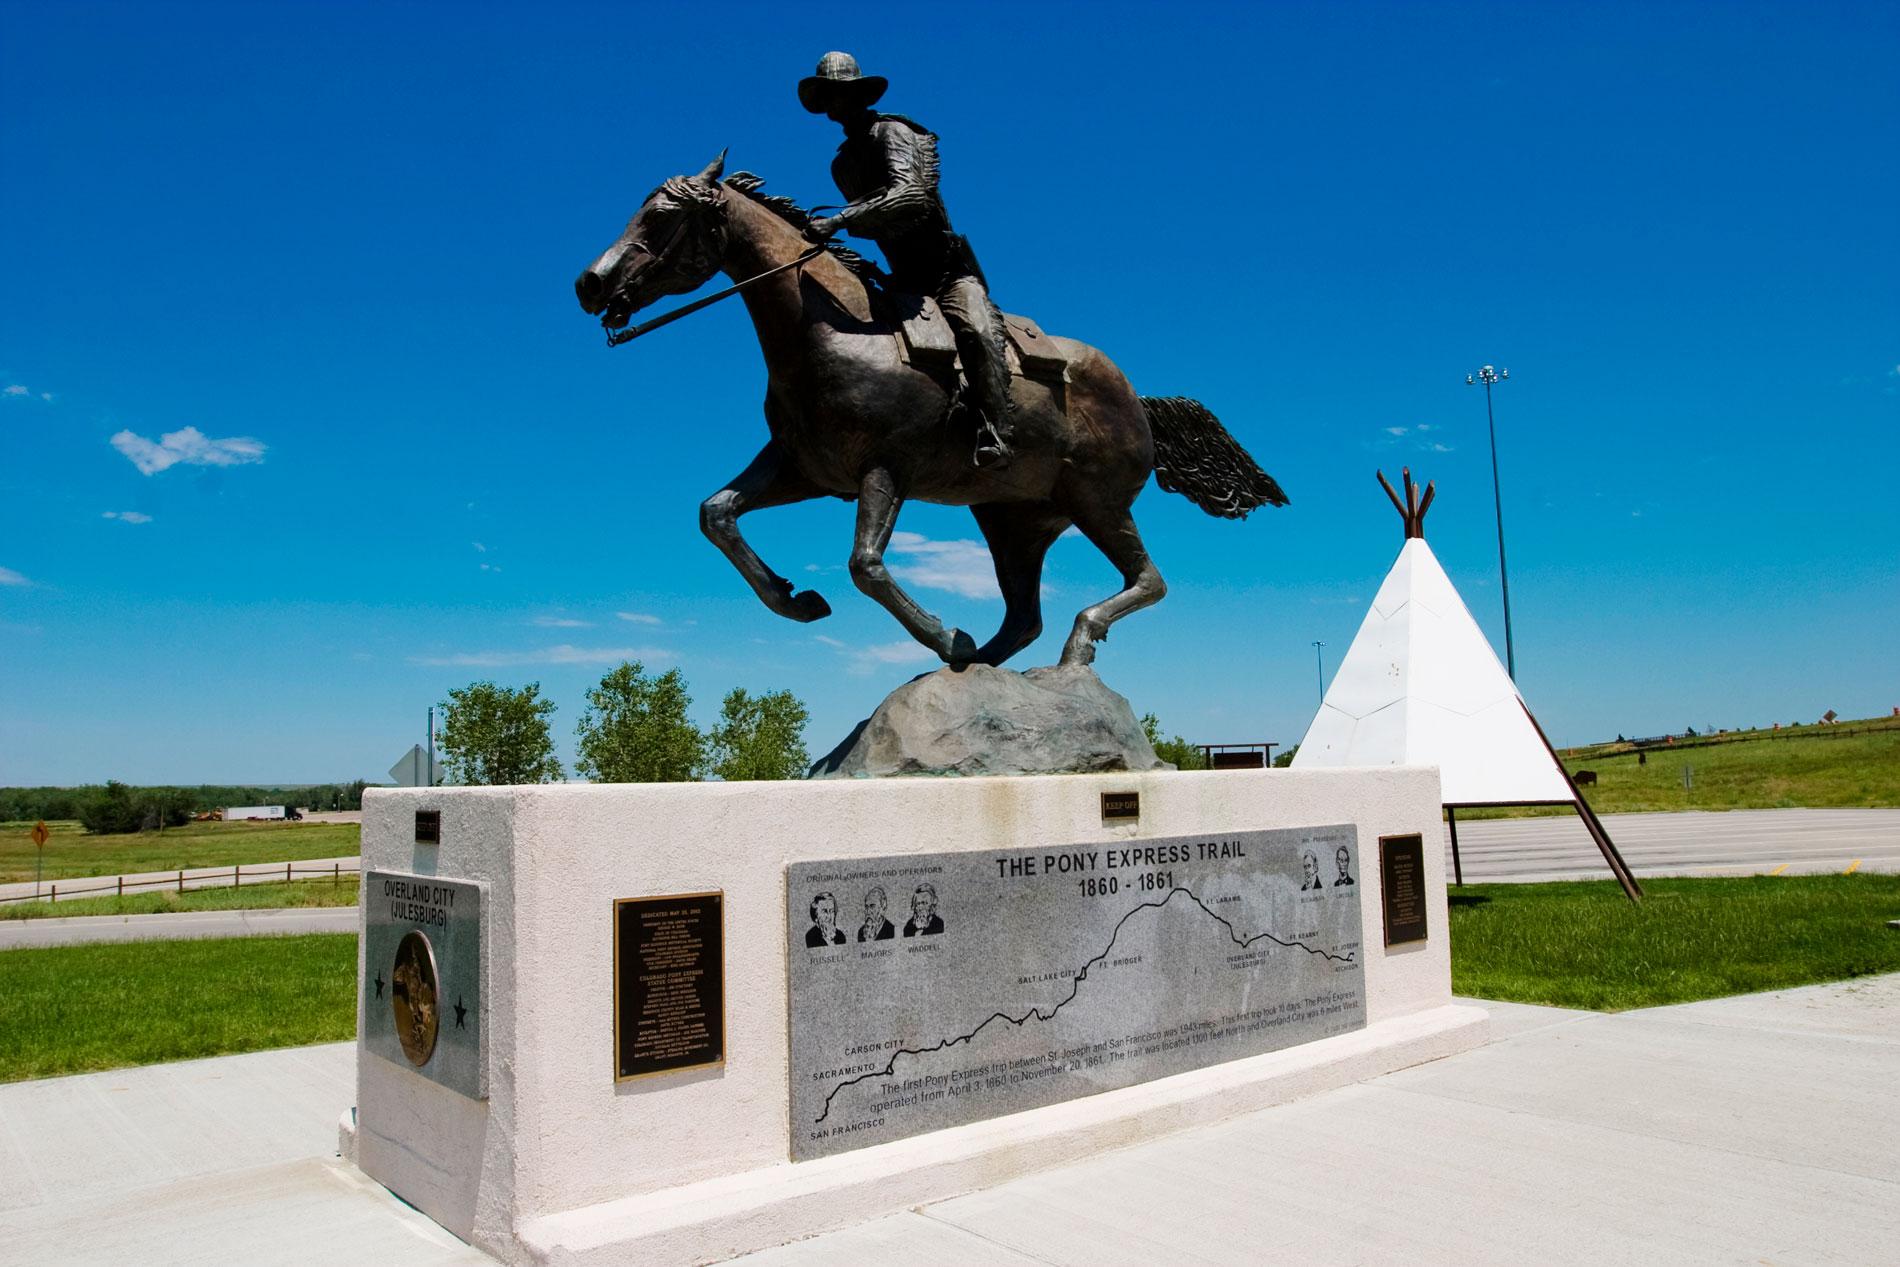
x=1080, y=652
x=808, y=606
x=962, y=648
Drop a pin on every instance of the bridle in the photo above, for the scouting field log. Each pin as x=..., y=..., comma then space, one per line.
x=717, y=251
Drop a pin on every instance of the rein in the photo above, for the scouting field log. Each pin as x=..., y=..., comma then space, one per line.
x=617, y=337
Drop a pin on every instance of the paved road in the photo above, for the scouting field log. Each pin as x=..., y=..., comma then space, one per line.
x=1738, y=842
x=1682, y=1134
x=181, y=925
x=195, y=878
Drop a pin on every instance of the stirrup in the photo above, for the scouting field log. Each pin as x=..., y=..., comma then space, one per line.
x=992, y=454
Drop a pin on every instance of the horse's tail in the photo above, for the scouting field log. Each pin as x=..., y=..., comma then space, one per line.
x=1195, y=457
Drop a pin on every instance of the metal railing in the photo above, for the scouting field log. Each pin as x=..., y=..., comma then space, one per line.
x=196, y=878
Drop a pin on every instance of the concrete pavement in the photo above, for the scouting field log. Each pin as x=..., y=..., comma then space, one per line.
x=229, y=1160
x=177, y=926
x=1734, y=842
x=1753, y=1130
x=1749, y=1129
x=74, y=888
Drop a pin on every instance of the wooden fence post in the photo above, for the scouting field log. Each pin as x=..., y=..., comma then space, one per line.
x=181, y=881
x=236, y=874
x=121, y=886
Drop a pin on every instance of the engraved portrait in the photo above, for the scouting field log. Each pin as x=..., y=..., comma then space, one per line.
x=824, y=930
x=924, y=920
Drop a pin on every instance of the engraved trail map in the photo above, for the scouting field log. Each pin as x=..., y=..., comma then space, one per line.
x=929, y=990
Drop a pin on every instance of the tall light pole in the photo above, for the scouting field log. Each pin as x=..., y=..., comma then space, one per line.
x=1319, y=667
x=1491, y=377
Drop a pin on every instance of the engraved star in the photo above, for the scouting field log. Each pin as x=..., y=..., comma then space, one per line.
x=461, y=1013
x=379, y=985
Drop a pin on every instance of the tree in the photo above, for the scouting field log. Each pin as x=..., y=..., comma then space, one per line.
x=1184, y=755
x=636, y=730
x=494, y=735
x=1285, y=759
x=760, y=737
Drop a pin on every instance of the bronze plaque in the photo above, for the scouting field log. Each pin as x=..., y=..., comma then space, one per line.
x=669, y=984
x=1120, y=806
x=428, y=827
x=1402, y=880
x=413, y=995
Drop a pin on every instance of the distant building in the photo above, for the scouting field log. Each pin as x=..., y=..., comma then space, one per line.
x=242, y=813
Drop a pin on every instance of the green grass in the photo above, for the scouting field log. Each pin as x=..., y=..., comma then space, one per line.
x=70, y=1009
x=1584, y=945
x=71, y=853
x=251, y=897
x=1756, y=769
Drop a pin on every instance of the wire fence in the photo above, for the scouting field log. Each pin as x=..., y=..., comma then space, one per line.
x=192, y=878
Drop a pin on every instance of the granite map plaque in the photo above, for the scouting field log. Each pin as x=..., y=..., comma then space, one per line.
x=1402, y=887
x=930, y=990
x=669, y=984
x=422, y=969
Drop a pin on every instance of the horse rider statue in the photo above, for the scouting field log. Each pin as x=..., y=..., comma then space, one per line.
x=887, y=169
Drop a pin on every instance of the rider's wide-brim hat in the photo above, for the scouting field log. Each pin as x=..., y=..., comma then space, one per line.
x=838, y=81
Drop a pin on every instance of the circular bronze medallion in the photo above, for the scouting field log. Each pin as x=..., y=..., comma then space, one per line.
x=413, y=995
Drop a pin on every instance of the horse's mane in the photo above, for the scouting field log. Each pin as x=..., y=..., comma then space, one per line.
x=791, y=213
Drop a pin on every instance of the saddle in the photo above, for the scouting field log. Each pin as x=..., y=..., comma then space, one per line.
x=925, y=340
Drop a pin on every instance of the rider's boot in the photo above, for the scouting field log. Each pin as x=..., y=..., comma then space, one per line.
x=981, y=345
x=992, y=446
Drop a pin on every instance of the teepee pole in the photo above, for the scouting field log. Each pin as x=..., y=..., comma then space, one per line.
x=1457, y=867
x=1591, y=823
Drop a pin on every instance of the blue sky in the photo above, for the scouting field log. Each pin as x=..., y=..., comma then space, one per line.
x=300, y=425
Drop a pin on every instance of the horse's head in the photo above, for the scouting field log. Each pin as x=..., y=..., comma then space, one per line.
x=673, y=245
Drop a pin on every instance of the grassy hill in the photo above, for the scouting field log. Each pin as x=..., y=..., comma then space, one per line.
x=1849, y=763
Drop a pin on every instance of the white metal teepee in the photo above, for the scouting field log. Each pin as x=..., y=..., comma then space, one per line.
x=1420, y=685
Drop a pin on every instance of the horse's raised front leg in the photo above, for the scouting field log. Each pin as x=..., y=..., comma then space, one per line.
x=1113, y=532
x=878, y=503
x=768, y=481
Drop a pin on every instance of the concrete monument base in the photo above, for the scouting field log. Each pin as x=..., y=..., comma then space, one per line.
x=548, y=1157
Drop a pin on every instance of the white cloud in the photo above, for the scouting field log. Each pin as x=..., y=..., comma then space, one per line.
x=1396, y=431
x=128, y=516
x=562, y=654
x=638, y=618
x=1436, y=447
x=489, y=567
x=1426, y=426
x=961, y=567
x=9, y=577
x=479, y=547
x=16, y=389
x=189, y=446
x=560, y=622
x=867, y=659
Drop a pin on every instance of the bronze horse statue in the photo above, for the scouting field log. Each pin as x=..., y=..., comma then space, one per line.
x=851, y=418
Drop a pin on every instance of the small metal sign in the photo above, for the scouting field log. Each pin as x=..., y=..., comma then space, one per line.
x=39, y=834
x=669, y=984
x=1120, y=806
x=422, y=965
x=1402, y=886
x=428, y=827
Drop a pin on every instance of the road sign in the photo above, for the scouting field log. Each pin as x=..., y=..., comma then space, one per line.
x=412, y=769
x=39, y=834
